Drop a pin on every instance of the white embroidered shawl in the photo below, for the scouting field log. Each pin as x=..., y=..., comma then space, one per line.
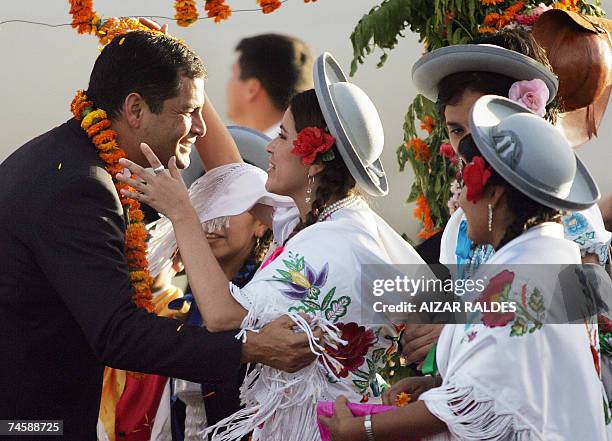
x=518, y=381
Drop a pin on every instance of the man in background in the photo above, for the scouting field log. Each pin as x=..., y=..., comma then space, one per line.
x=269, y=71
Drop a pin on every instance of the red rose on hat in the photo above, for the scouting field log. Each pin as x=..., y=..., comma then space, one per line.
x=475, y=176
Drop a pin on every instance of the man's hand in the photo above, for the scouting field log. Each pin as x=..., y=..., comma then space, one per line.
x=278, y=346
x=417, y=340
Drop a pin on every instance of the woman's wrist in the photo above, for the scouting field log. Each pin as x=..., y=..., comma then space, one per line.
x=182, y=212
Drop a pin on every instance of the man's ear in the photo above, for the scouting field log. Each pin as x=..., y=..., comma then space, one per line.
x=253, y=88
x=133, y=109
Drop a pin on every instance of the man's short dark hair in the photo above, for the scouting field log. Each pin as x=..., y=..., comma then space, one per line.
x=282, y=64
x=145, y=63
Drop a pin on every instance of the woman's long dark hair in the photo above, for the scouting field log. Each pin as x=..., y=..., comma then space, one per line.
x=452, y=87
x=527, y=212
x=335, y=180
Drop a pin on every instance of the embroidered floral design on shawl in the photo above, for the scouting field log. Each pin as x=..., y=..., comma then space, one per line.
x=305, y=283
x=530, y=309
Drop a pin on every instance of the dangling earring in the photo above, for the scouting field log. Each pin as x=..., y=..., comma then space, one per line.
x=490, y=218
x=309, y=189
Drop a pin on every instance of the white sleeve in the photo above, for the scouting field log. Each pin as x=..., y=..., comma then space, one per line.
x=448, y=243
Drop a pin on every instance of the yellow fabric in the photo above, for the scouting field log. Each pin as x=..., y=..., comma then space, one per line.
x=114, y=379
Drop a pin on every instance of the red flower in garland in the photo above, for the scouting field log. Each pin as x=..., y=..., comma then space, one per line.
x=310, y=142
x=352, y=355
x=475, y=176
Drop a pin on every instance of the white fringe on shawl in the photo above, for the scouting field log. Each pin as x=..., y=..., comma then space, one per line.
x=473, y=415
x=284, y=403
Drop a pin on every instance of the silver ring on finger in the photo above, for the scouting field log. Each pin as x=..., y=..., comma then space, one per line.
x=158, y=170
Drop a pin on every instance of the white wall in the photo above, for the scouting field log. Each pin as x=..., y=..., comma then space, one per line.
x=40, y=69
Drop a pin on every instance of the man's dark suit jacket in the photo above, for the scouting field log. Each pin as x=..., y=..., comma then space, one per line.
x=65, y=293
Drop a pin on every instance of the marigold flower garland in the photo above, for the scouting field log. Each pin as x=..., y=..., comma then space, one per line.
x=86, y=21
x=186, y=12
x=217, y=10
x=97, y=126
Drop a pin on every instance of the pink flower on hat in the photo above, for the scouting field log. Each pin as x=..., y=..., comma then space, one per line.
x=531, y=94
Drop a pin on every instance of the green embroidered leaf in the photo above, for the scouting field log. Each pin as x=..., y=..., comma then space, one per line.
x=536, y=301
x=311, y=304
x=299, y=309
x=371, y=367
x=289, y=264
x=361, y=374
x=299, y=264
x=328, y=298
x=519, y=328
x=313, y=294
x=286, y=274
x=378, y=354
x=361, y=385
x=337, y=309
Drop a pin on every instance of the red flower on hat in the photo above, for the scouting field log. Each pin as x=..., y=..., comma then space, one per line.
x=310, y=142
x=475, y=176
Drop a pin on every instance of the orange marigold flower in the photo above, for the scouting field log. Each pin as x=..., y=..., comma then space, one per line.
x=113, y=156
x=515, y=8
x=186, y=12
x=423, y=213
x=108, y=146
x=136, y=216
x=98, y=127
x=486, y=29
x=420, y=149
x=84, y=19
x=402, y=399
x=491, y=2
x=78, y=98
x=492, y=18
x=218, y=10
x=427, y=124
x=268, y=6
x=104, y=136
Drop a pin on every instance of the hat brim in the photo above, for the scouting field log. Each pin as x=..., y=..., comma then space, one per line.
x=371, y=178
x=486, y=113
x=433, y=67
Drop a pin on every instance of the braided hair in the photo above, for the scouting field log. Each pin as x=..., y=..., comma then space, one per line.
x=335, y=180
x=526, y=211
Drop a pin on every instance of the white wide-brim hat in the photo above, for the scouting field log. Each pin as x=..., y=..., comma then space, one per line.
x=251, y=145
x=353, y=121
x=224, y=191
x=434, y=66
x=531, y=154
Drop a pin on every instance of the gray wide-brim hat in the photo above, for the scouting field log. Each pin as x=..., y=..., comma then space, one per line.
x=353, y=121
x=531, y=154
x=251, y=145
x=434, y=66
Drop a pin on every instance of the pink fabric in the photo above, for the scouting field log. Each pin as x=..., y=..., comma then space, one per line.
x=326, y=408
x=273, y=256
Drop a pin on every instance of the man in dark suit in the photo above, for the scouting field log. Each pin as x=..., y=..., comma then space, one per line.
x=65, y=292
